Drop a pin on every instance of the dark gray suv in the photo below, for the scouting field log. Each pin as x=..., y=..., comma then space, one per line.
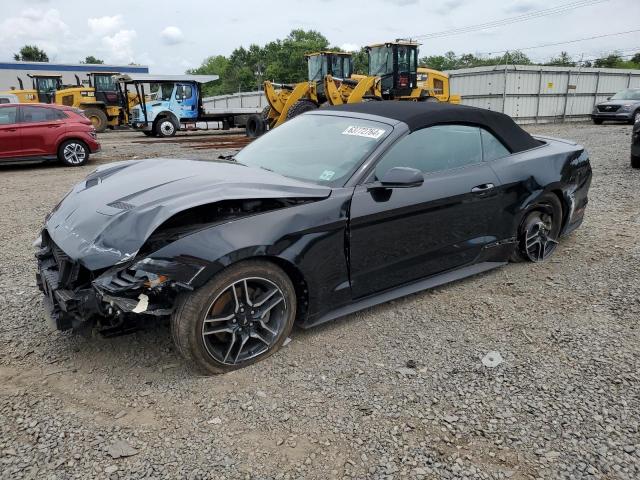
x=624, y=106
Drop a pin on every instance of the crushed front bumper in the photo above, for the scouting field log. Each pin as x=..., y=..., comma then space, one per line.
x=75, y=296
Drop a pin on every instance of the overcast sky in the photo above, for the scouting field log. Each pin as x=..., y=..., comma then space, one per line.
x=171, y=36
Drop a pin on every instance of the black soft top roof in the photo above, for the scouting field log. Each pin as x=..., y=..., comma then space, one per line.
x=418, y=115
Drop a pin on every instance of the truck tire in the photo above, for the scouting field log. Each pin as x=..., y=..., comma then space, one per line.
x=256, y=126
x=98, y=118
x=165, y=127
x=300, y=107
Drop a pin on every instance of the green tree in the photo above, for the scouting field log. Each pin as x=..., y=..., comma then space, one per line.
x=92, y=60
x=610, y=61
x=562, y=60
x=215, y=65
x=31, y=53
x=281, y=60
x=361, y=62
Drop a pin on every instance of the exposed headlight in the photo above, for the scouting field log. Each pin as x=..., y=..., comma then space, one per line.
x=626, y=108
x=158, y=271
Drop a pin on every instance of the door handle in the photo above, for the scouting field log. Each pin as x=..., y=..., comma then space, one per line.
x=485, y=187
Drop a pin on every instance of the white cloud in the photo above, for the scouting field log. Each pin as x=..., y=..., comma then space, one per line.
x=350, y=47
x=105, y=25
x=120, y=46
x=32, y=25
x=172, y=35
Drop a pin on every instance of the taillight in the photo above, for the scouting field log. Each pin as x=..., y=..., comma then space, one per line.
x=403, y=81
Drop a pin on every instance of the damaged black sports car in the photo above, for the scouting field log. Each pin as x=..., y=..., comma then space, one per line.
x=336, y=210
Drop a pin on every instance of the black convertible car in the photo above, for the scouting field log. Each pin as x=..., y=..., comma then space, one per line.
x=336, y=210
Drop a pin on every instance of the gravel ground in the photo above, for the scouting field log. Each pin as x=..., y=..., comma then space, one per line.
x=396, y=391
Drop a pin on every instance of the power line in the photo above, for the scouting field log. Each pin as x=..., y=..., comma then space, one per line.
x=561, y=43
x=509, y=20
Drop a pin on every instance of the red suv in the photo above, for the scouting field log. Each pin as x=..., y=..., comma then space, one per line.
x=46, y=132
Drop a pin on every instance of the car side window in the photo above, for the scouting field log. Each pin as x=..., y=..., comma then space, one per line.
x=38, y=114
x=492, y=148
x=4, y=100
x=8, y=115
x=434, y=149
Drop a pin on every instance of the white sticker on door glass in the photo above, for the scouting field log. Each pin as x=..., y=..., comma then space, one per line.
x=368, y=132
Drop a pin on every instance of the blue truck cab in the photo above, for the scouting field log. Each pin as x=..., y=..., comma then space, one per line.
x=166, y=103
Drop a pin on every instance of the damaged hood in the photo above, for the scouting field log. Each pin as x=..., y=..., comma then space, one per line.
x=105, y=219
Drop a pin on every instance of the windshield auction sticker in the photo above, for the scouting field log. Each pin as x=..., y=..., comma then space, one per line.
x=368, y=132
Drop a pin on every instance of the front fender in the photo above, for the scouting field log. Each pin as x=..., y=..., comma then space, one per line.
x=311, y=237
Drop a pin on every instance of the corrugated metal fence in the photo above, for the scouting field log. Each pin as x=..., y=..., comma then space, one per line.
x=537, y=94
x=529, y=94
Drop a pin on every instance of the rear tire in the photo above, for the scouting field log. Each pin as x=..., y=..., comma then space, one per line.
x=300, y=107
x=635, y=161
x=241, y=316
x=73, y=153
x=598, y=121
x=98, y=118
x=165, y=127
x=537, y=235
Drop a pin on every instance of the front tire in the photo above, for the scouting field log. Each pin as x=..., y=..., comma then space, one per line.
x=241, y=316
x=537, y=236
x=98, y=118
x=635, y=161
x=165, y=127
x=73, y=153
x=598, y=121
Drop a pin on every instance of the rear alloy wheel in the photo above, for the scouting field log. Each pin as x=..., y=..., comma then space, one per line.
x=539, y=232
x=73, y=153
x=98, y=118
x=165, y=127
x=242, y=315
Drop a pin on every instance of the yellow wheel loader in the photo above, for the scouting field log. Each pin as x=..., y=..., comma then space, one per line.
x=289, y=100
x=102, y=100
x=393, y=75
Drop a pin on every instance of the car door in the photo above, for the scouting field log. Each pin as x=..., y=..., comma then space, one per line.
x=184, y=103
x=10, y=140
x=40, y=128
x=399, y=235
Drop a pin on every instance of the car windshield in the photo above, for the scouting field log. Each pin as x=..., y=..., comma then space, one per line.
x=628, y=94
x=321, y=149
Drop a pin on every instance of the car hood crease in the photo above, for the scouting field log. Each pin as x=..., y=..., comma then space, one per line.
x=106, y=218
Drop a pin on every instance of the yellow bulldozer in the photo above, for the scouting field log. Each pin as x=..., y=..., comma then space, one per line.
x=393, y=75
x=101, y=100
x=287, y=101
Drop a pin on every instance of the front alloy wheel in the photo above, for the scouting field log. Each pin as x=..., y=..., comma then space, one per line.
x=73, y=153
x=244, y=320
x=242, y=315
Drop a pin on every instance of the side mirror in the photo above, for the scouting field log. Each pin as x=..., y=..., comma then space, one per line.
x=402, y=177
